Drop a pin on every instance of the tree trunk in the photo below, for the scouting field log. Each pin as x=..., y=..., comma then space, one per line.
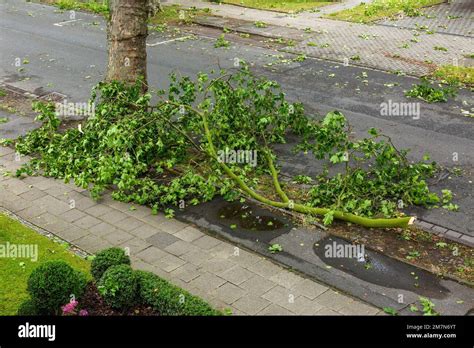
x=126, y=34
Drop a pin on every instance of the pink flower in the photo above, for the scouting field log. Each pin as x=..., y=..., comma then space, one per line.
x=83, y=313
x=70, y=307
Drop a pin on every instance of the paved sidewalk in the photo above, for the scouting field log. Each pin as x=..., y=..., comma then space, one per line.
x=224, y=275
x=378, y=46
x=451, y=18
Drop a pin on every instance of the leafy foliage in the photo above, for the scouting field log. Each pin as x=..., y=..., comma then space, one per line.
x=52, y=284
x=118, y=286
x=27, y=308
x=428, y=307
x=106, y=259
x=162, y=155
x=431, y=94
x=168, y=299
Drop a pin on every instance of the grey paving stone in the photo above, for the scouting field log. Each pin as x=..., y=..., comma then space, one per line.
x=141, y=265
x=6, y=195
x=138, y=211
x=71, y=197
x=135, y=245
x=128, y=224
x=172, y=226
x=46, y=220
x=32, y=212
x=189, y=234
x=73, y=233
x=181, y=247
x=197, y=258
x=162, y=239
x=358, y=308
x=304, y=306
x=114, y=217
x=154, y=220
x=439, y=229
x=144, y=231
x=257, y=285
x=327, y=311
x=17, y=205
x=92, y=244
x=87, y=222
x=52, y=205
x=309, y=288
x=56, y=226
x=244, y=258
x=286, y=279
x=207, y=282
x=32, y=194
x=102, y=229
x=265, y=268
x=144, y=266
x=73, y=215
x=17, y=187
x=98, y=210
x=117, y=237
x=186, y=272
x=4, y=151
x=58, y=190
x=236, y=275
x=229, y=293
x=468, y=239
x=280, y=296
x=151, y=255
x=169, y=263
x=33, y=180
x=117, y=205
x=333, y=300
x=453, y=234
x=217, y=265
x=251, y=304
x=274, y=309
x=424, y=225
x=224, y=250
x=206, y=242
x=84, y=203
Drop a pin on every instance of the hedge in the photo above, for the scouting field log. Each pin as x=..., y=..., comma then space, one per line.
x=168, y=299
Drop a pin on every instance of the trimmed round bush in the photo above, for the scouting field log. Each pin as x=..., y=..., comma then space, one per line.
x=28, y=308
x=168, y=299
x=119, y=286
x=106, y=259
x=52, y=284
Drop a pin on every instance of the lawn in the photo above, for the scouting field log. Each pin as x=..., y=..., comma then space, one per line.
x=379, y=9
x=281, y=6
x=14, y=272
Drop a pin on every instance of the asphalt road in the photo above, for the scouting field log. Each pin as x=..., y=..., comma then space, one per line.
x=70, y=57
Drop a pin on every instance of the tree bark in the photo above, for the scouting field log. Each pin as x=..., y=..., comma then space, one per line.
x=127, y=31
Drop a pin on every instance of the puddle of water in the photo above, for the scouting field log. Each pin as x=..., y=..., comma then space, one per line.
x=236, y=220
x=244, y=216
x=379, y=269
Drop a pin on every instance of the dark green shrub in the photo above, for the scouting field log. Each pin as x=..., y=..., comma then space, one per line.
x=28, y=308
x=119, y=286
x=168, y=299
x=108, y=258
x=52, y=284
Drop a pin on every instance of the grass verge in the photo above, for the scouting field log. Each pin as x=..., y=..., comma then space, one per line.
x=380, y=9
x=288, y=6
x=14, y=272
x=172, y=14
x=455, y=75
